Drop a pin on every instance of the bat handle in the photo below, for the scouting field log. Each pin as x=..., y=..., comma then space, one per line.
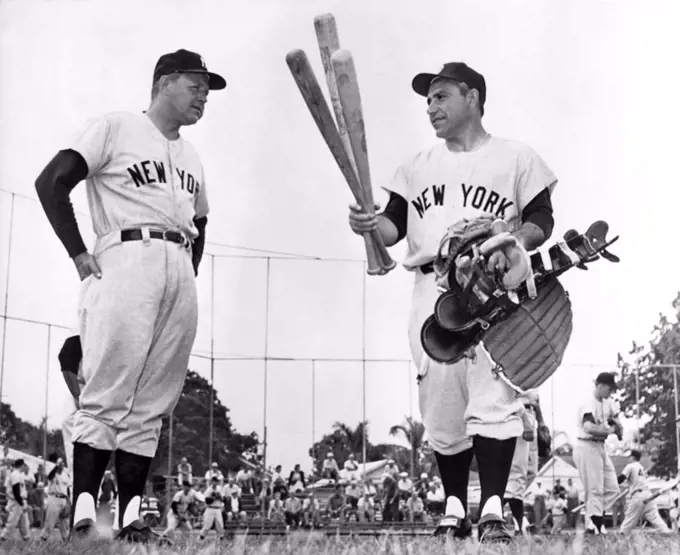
x=385, y=259
x=374, y=266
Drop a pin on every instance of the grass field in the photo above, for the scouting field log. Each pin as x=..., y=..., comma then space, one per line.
x=313, y=544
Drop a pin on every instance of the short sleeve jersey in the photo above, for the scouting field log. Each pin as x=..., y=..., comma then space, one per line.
x=137, y=177
x=183, y=500
x=442, y=187
x=600, y=411
x=636, y=476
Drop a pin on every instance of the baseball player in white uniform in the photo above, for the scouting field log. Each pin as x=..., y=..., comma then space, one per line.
x=212, y=516
x=470, y=173
x=138, y=310
x=595, y=423
x=521, y=470
x=178, y=516
x=57, y=501
x=639, y=505
x=17, y=502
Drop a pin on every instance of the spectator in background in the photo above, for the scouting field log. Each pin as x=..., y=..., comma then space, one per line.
x=277, y=476
x=230, y=487
x=330, y=468
x=214, y=471
x=540, y=509
x=353, y=494
x=36, y=502
x=276, y=510
x=107, y=495
x=390, y=498
x=366, y=508
x=405, y=486
x=558, y=509
x=572, y=502
x=292, y=508
x=422, y=485
x=337, y=504
x=351, y=468
x=367, y=488
x=435, y=501
x=415, y=508
x=185, y=472
x=233, y=507
x=40, y=475
x=266, y=493
x=558, y=488
x=279, y=484
x=392, y=467
x=296, y=480
x=311, y=516
x=244, y=479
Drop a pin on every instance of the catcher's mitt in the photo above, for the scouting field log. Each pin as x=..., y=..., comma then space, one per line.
x=523, y=316
x=544, y=441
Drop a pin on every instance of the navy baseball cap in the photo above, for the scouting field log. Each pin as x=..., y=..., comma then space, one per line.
x=455, y=71
x=184, y=61
x=607, y=378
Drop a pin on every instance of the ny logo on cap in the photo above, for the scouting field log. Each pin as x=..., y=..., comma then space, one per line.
x=202, y=62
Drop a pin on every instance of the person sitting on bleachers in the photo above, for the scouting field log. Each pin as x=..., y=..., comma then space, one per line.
x=293, y=511
x=368, y=488
x=392, y=467
x=232, y=506
x=230, y=487
x=184, y=472
x=330, y=468
x=415, y=508
x=214, y=471
x=366, y=508
x=353, y=494
x=276, y=510
x=244, y=480
x=337, y=504
x=351, y=468
x=435, y=500
x=296, y=480
x=277, y=475
x=405, y=486
x=266, y=493
x=311, y=516
x=422, y=485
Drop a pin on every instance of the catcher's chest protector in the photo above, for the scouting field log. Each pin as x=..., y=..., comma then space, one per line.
x=529, y=345
x=525, y=331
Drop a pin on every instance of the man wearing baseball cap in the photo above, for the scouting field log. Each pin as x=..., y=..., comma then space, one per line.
x=138, y=308
x=597, y=420
x=470, y=174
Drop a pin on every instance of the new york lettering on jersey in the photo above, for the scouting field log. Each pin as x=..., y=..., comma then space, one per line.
x=443, y=187
x=138, y=177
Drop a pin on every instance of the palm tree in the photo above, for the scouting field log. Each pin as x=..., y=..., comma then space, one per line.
x=353, y=437
x=414, y=432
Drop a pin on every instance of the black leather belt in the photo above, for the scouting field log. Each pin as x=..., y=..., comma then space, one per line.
x=427, y=268
x=591, y=439
x=58, y=495
x=172, y=236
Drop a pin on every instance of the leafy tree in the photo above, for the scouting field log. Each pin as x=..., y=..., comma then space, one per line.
x=657, y=410
x=414, y=433
x=342, y=441
x=190, y=433
x=26, y=437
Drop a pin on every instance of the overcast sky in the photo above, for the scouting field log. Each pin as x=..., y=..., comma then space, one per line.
x=590, y=85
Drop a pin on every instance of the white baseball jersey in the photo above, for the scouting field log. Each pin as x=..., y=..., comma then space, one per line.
x=183, y=500
x=216, y=494
x=600, y=410
x=636, y=476
x=60, y=484
x=136, y=177
x=443, y=187
x=16, y=477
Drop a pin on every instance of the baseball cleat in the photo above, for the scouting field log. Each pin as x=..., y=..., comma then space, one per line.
x=137, y=532
x=491, y=527
x=454, y=523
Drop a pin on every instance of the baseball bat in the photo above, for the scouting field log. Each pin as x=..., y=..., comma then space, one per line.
x=302, y=72
x=329, y=42
x=350, y=100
